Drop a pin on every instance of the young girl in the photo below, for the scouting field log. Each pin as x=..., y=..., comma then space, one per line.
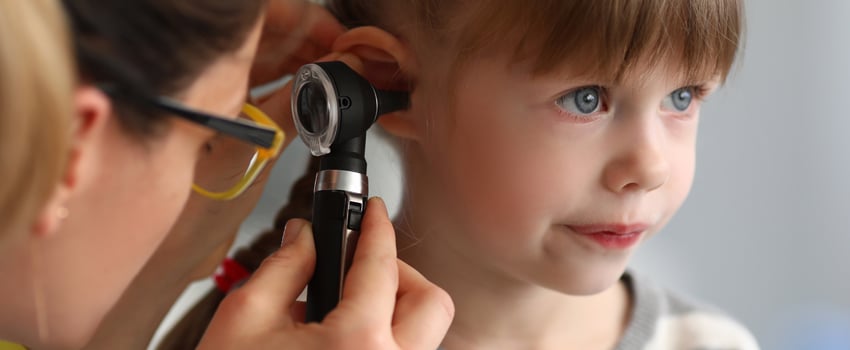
x=546, y=141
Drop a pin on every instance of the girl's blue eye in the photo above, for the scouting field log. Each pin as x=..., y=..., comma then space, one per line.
x=582, y=101
x=680, y=100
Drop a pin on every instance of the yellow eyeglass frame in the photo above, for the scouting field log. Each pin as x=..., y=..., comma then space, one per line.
x=263, y=156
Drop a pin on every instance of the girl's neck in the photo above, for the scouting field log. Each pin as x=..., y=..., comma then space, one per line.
x=495, y=310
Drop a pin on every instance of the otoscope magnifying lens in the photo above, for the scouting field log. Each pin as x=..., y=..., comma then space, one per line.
x=313, y=108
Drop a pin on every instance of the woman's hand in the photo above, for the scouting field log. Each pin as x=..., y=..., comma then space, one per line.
x=386, y=304
x=295, y=33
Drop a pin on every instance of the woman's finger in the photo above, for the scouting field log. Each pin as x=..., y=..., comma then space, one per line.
x=423, y=311
x=271, y=292
x=370, y=287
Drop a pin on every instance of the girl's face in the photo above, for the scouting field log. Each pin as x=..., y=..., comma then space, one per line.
x=555, y=180
x=127, y=196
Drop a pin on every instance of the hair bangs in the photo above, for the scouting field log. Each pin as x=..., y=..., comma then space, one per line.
x=609, y=40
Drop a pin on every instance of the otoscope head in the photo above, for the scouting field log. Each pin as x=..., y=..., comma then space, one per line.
x=332, y=104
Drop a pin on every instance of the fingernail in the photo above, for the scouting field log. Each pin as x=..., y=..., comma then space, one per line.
x=291, y=231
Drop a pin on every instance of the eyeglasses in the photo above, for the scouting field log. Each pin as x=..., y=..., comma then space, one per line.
x=226, y=171
x=227, y=168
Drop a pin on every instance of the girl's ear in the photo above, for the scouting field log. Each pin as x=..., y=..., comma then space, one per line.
x=388, y=64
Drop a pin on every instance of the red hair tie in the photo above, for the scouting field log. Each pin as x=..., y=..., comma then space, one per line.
x=230, y=274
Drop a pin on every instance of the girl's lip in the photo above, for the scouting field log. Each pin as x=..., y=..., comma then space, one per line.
x=611, y=229
x=612, y=236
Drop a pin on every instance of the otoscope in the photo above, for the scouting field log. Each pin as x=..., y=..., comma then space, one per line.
x=333, y=107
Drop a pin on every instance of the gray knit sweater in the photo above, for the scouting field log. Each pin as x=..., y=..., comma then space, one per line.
x=661, y=320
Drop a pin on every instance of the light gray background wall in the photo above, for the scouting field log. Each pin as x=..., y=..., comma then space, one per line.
x=765, y=233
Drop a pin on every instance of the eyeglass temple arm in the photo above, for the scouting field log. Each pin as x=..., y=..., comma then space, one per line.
x=257, y=135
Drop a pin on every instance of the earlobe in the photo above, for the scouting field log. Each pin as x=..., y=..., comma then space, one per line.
x=388, y=64
x=91, y=110
x=53, y=213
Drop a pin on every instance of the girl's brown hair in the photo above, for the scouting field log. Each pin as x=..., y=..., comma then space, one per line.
x=607, y=38
x=187, y=333
x=36, y=82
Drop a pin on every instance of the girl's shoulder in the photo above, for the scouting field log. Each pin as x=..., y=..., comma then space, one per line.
x=663, y=320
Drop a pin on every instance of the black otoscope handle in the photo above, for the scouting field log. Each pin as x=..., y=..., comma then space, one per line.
x=336, y=227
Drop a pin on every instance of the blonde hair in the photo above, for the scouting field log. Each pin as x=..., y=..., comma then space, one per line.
x=36, y=82
x=607, y=38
